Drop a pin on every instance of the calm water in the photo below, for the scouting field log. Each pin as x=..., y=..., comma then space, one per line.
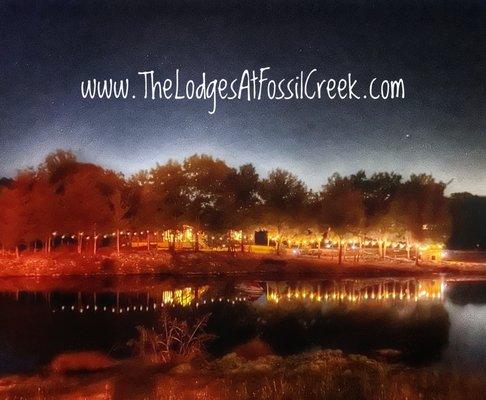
x=429, y=321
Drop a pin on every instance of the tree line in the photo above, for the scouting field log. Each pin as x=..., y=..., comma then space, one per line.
x=66, y=196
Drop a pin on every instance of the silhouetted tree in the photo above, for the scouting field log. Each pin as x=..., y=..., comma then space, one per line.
x=244, y=186
x=468, y=221
x=86, y=202
x=284, y=199
x=342, y=210
x=67, y=196
x=381, y=221
x=15, y=221
x=168, y=196
x=421, y=207
x=208, y=201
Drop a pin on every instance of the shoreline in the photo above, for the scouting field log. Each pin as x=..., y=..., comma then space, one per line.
x=234, y=376
x=212, y=264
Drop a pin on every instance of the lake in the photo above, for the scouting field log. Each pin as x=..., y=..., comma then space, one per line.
x=425, y=321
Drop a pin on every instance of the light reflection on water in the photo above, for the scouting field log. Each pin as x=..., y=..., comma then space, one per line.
x=419, y=317
x=353, y=290
x=336, y=291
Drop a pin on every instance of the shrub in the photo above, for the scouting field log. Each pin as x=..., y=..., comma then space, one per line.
x=173, y=341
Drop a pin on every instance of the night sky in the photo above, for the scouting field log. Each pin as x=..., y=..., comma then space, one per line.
x=438, y=47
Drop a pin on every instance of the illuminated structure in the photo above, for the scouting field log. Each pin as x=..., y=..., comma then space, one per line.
x=183, y=239
x=431, y=253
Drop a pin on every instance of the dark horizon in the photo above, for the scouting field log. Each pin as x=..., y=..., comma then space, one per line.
x=438, y=49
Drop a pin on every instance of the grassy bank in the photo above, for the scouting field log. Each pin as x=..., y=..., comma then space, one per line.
x=328, y=374
x=216, y=263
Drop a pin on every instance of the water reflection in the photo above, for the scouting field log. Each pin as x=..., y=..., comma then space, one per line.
x=41, y=319
x=353, y=291
x=463, y=293
x=114, y=300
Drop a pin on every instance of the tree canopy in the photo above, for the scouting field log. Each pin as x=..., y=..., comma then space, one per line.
x=66, y=196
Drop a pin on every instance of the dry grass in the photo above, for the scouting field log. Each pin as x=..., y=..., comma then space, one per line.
x=173, y=341
x=81, y=361
x=327, y=374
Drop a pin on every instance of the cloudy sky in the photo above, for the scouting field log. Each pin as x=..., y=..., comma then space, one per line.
x=437, y=47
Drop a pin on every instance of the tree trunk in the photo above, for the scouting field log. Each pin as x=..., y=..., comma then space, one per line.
x=17, y=254
x=340, y=252
x=416, y=255
x=384, y=248
x=277, y=244
x=196, y=242
x=95, y=240
x=171, y=242
x=148, y=241
x=242, y=243
x=408, y=246
x=80, y=242
x=118, y=241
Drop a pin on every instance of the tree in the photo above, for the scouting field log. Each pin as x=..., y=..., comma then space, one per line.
x=284, y=199
x=57, y=166
x=5, y=182
x=45, y=213
x=52, y=175
x=341, y=210
x=207, y=195
x=244, y=186
x=379, y=192
x=121, y=204
x=421, y=207
x=168, y=198
x=15, y=221
x=85, y=201
x=468, y=221
x=65, y=195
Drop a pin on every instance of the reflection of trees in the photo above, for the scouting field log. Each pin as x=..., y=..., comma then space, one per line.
x=288, y=331
x=462, y=293
x=44, y=324
x=356, y=291
x=231, y=324
x=421, y=334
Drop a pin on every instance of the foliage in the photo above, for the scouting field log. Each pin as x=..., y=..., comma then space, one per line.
x=172, y=341
x=81, y=199
x=468, y=214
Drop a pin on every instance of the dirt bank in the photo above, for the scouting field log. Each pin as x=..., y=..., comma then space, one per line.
x=217, y=263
